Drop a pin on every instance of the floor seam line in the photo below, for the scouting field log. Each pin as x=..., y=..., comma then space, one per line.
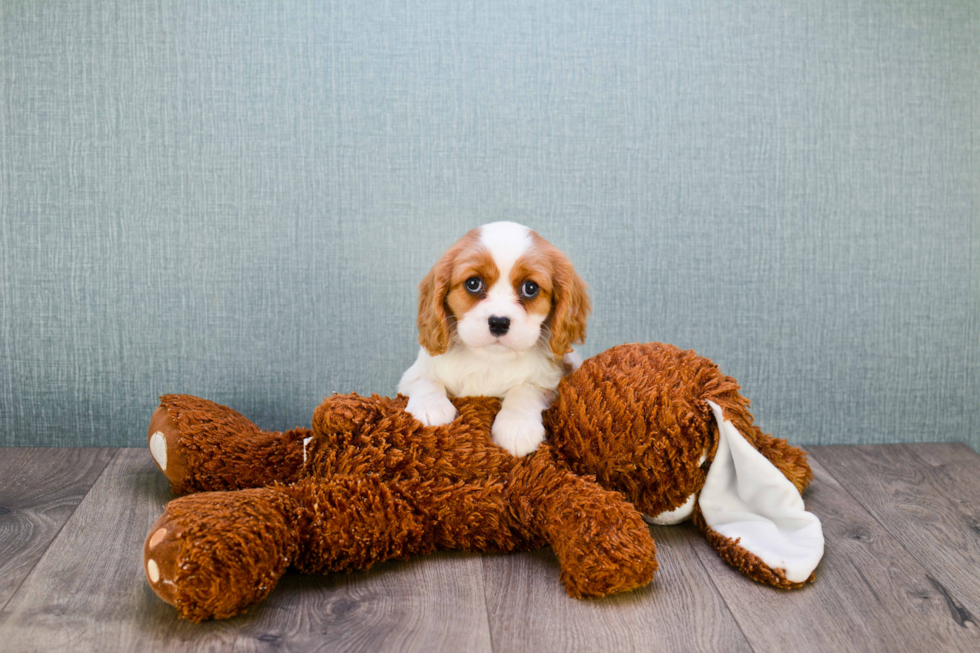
x=486, y=603
x=720, y=594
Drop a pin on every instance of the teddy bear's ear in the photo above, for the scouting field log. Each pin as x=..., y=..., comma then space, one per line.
x=754, y=516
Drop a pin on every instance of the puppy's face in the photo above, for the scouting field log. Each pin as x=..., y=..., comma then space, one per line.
x=502, y=287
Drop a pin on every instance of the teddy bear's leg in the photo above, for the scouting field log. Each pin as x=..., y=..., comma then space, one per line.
x=202, y=446
x=212, y=555
x=600, y=539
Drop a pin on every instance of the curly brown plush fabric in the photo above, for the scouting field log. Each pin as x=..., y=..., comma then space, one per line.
x=369, y=483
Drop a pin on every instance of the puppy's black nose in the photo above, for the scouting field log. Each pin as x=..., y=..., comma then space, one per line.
x=498, y=325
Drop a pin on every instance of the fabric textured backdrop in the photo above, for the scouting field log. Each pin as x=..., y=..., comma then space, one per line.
x=237, y=199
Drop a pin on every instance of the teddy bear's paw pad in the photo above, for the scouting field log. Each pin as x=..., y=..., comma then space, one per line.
x=162, y=437
x=160, y=552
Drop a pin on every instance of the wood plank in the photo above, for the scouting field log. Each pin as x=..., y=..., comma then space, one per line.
x=89, y=593
x=932, y=510
x=870, y=594
x=431, y=603
x=39, y=490
x=955, y=468
x=946, y=453
x=680, y=611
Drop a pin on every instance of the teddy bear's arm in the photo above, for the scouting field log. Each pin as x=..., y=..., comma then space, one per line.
x=375, y=435
x=600, y=539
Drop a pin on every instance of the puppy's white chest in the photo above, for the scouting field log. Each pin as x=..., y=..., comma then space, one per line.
x=473, y=373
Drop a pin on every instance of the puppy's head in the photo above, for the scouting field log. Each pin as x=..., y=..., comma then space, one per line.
x=504, y=287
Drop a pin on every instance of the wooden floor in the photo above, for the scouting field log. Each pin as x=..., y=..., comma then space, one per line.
x=901, y=573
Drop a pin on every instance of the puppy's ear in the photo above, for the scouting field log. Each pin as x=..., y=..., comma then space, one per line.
x=571, y=308
x=433, y=322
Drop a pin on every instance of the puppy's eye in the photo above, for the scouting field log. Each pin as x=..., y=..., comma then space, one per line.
x=529, y=289
x=474, y=285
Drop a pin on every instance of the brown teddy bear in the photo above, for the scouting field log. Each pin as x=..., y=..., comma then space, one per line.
x=638, y=431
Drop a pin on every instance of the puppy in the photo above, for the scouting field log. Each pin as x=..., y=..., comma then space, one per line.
x=498, y=314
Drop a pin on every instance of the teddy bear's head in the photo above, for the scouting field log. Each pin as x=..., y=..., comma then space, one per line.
x=665, y=428
x=634, y=417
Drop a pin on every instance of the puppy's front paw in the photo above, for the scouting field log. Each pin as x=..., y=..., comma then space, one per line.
x=431, y=410
x=518, y=432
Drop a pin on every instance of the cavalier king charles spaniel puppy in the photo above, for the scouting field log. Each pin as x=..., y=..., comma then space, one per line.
x=498, y=314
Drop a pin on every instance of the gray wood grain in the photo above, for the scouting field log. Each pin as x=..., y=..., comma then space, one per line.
x=431, y=603
x=39, y=490
x=870, y=594
x=89, y=592
x=955, y=469
x=931, y=509
x=680, y=611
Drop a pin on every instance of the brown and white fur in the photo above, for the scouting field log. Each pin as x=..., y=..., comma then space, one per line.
x=482, y=333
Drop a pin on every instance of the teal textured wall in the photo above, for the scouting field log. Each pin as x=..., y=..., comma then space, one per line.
x=237, y=199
